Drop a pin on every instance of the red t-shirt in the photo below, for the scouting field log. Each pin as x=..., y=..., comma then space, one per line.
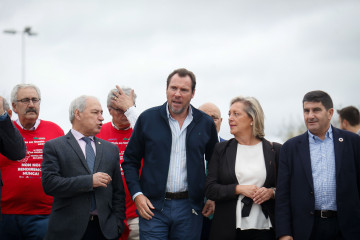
x=120, y=138
x=22, y=192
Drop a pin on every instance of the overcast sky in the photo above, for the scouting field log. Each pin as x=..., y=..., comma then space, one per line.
x=274, y=50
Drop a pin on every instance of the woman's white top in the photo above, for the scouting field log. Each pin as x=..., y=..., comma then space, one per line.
x=250, y=170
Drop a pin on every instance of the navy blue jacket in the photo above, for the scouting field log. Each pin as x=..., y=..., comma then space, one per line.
x=12, y=144
x=295, y=200
x=151, y=141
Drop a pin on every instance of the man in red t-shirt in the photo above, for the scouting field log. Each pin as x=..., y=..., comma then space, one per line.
x=121, y=105
x=24, y=204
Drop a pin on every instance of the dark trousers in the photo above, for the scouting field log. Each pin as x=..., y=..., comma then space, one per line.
x=18, y=227
x=177, y=220
x=205, y=232
x=254, y=234
x=326, y=229
x=93, y=230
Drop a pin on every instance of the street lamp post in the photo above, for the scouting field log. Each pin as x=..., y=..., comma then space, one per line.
x=27, y=30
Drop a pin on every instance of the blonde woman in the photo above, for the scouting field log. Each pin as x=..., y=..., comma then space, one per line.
x=242, y=176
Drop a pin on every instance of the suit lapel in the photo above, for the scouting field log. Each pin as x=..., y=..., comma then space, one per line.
x=304, y=154
x=269, y=157
x=230, y=152
x=339, y=140
x=99, y=152
x=75, y=146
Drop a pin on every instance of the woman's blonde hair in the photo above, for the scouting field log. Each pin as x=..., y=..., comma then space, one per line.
x=255, y=112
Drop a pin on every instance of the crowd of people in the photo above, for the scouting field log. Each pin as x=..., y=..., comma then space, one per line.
x=167, y=174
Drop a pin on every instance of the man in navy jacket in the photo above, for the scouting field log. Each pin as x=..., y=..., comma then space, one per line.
x=12, y=144
x=318, y=189
x=172, y=140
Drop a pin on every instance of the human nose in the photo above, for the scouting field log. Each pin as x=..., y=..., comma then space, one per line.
x=101, y=118
x=177, y=92
x=311, y=114
x=31, y=103
x=231, y=116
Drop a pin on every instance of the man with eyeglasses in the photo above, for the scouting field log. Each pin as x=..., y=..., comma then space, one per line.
x=25, y=206
x=214, y=112
x=121, y=106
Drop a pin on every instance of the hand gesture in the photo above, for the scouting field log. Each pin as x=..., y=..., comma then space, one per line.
x=209, y=208
x=246, y=190
x=263, y=194
x=123, y=101
x=286, y=238
x=143, y=206
x=2, y=110
x=101, y=179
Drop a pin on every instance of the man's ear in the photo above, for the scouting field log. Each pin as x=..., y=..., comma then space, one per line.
x=14, y=107
x=9, y=113
x=77, y=114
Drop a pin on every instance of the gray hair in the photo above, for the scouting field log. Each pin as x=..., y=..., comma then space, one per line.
x=15, y=90
x=254, y=111
x=5, y=105
x=78, y=103
x=126, y=90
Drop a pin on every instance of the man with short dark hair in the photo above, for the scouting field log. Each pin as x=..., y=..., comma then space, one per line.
x=172, y=140
x=318, y=186
x=24, y=204
x=82, y=172
x=349, y=119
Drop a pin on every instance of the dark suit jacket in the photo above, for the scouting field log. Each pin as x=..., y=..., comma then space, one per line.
x=66, y=176
x=12, y=144
x=295, y=201
x=221, y=182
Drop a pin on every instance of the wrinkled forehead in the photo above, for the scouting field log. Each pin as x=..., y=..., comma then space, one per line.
x=27, y=91
x=93, y=104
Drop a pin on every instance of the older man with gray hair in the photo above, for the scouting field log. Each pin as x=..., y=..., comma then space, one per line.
x=25, y=206
x=82, y=172
x=121, y=106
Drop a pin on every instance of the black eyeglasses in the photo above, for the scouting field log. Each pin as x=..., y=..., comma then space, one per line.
x=27, y=100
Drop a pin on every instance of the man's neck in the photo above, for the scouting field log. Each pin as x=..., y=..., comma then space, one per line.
x=27, y=125
x=354, y=129
x=180, y=117
x=120, y=127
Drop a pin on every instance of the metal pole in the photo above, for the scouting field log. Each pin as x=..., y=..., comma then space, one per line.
x=23, y=57
x=27, y=30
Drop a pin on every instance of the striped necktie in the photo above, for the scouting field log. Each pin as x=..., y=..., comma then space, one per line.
x=90, y=154
x=90, y=159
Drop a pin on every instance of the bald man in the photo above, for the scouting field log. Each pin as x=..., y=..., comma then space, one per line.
x=214, y=112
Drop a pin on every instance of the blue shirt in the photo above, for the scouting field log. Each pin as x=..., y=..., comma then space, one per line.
x=177, y=176
x=323, y=170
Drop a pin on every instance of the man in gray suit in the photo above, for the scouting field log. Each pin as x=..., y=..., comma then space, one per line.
x=82, y=172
